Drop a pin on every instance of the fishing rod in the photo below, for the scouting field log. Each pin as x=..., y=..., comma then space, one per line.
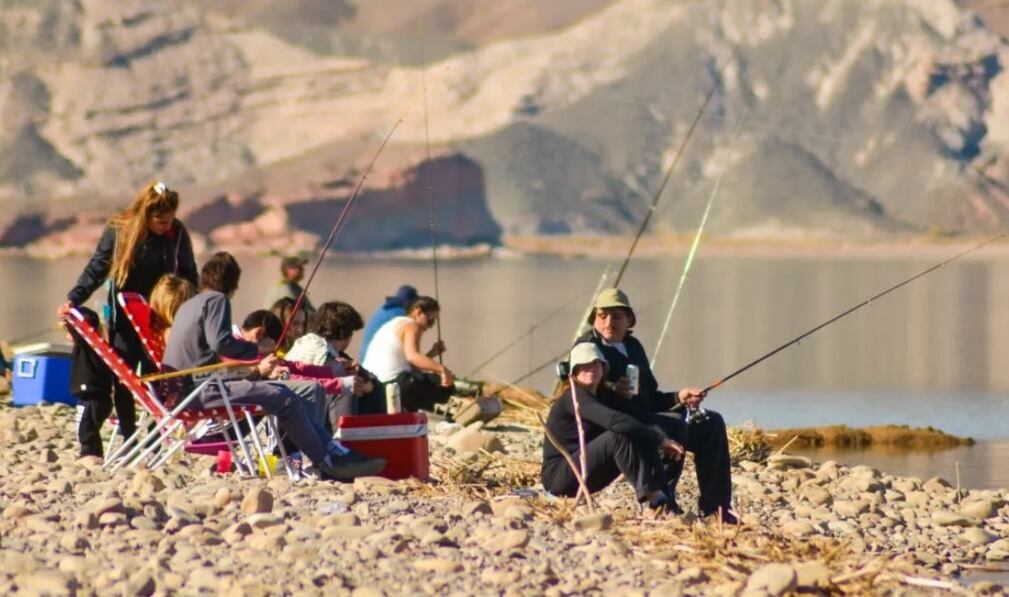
x=428, y=168
x=849, y=311
x=669, y=171
x=693, y=250
x=336, y=229
x=529, y=331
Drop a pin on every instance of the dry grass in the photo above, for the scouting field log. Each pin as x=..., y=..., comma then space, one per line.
x=842, y=436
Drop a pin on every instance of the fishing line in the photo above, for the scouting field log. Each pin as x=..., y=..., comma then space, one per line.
x=672, y=166
x=851, y=310
x=693, y=250
x=336, y=229
x=532, y=329
x=428, y=170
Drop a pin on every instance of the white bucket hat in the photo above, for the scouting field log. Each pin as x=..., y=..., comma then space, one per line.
x=584, y=353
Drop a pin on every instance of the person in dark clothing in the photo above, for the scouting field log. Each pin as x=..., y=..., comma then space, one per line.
x=91, y=384
x=615, y=442
x=138, y=246
x=612, y=319
x=202, y=335
x=394, y=306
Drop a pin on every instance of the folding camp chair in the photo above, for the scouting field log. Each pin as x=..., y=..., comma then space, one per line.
x=171, y=415
x=138, y=313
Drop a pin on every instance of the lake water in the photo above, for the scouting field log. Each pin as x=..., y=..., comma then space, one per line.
x=932, y=353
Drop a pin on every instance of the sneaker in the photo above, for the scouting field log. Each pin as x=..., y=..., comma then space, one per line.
x=349, y=466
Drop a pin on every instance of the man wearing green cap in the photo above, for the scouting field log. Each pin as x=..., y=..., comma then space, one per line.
x=612, y=319
x=292, y=270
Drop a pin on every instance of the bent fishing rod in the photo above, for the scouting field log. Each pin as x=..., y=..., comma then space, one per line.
x=849, y=312
x=336, y=230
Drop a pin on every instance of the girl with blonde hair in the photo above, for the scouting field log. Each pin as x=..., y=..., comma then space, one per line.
x=166, y=298
x=139, y=245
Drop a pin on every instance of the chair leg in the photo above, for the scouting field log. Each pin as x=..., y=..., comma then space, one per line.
x=124, y=452
x=112, y=439
x=258, y=445
x=234, y=425
x=164, y=434
x=271, y=423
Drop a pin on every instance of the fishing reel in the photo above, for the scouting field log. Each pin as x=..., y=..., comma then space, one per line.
x=697, y=415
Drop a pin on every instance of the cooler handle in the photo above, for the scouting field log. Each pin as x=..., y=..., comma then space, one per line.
x=27, y=367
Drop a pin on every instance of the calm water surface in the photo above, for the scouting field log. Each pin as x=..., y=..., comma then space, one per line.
x=933, y=353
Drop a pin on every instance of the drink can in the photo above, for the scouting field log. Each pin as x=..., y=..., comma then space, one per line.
x=634, y=376
x=393, y=404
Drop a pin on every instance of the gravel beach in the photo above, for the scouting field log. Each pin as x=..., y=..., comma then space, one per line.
x=483, y=528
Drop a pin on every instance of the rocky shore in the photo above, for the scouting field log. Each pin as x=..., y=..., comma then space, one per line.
x=69, y=528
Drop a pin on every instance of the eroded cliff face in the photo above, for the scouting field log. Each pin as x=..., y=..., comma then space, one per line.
x=390, y=216
x=831, y=118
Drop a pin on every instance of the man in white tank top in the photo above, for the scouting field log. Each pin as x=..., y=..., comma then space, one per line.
x=394, y=356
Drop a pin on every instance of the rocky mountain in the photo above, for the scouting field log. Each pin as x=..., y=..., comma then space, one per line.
x=830, y=118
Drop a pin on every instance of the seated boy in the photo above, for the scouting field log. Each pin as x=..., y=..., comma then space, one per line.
x=332, y=330
x=264, y=328
x=201, y=335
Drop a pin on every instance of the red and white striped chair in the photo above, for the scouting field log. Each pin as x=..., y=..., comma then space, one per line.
x=169, y=410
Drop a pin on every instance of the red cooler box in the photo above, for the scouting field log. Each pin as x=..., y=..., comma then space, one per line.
x=401, y=439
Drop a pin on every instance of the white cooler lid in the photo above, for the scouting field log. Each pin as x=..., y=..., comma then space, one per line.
x=42, y=347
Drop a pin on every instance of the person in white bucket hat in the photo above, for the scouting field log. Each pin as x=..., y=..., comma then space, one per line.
x=615, y=442
x=612, y=320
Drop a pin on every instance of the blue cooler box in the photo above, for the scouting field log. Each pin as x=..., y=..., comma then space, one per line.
x=41, y=373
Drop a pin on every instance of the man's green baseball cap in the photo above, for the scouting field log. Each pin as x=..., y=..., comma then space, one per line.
x=612, y=298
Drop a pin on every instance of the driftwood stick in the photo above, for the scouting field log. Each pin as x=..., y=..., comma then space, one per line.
x=782, y=449
x=583, y=489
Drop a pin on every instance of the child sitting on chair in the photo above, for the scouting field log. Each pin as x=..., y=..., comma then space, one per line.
x=332, y=329
x=263, y=328
x=91, y=384
x=166, y=298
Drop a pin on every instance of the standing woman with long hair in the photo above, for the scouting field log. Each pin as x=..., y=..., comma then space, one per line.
x=139, y=245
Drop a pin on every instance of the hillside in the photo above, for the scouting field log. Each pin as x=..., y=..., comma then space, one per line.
x=866, y=120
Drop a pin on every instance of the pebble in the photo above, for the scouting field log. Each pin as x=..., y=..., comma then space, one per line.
x=439, y=565
x=817, y=496
x=471, y=440
x=508, y=541
x=257, y=500
x=946, y=518
x=775, y=579
x=976, y=536
x=346, y=532
x=799, y=528
x=787, y=461
x=980, y=509
x=601, y=521
x=850, y=509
